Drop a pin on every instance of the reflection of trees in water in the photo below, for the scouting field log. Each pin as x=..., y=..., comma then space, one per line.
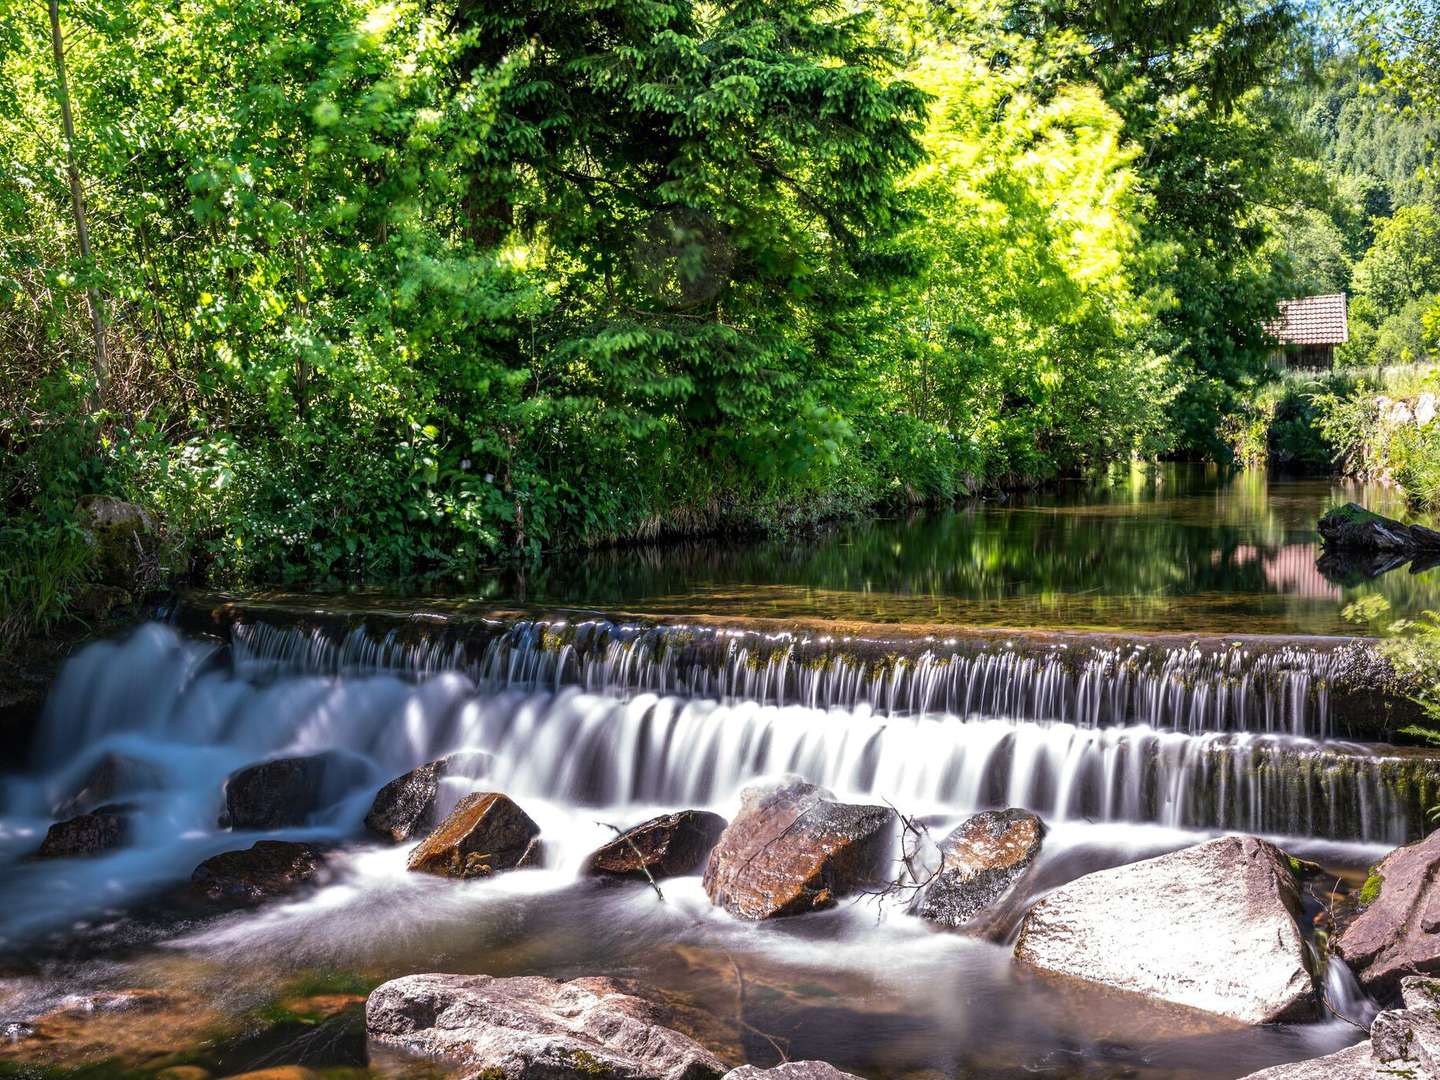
x=1136, y=544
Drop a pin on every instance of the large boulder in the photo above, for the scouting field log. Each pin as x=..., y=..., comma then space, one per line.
x=1398, y=932
x=529, y=1027
x=667, y=846
x=103, y=829
x=1353, y=528
x=120, y=535
x=979, y=863
x=486, y=833
x=287, y=792
x=407, y=806
x=793, y=849
x=265, y=870
x=1211, y=927
x=791, y=1070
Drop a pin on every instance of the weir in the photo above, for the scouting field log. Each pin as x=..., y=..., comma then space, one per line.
x=598, y=713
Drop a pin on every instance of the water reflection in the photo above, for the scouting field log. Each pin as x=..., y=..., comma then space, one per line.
x=1178, y=548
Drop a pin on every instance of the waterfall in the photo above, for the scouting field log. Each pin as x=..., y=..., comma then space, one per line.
x=1186, y=688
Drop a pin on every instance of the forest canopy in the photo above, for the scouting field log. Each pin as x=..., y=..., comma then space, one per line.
x=345, y=290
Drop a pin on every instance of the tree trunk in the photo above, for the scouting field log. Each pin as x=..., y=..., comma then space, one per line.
x=77, y=202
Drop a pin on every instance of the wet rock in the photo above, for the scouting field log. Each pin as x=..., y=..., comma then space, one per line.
x=1352, y=1063
x=486, y=833
x=793, y=849
x=268, y=869
x=183, y=1072
x=512, y=1029
x=1211, y=927
x=791, y=1070
x=113, y=776
x=124, y=1029
x=979, y=863
x=1353, y=528
x=1398, y=932
x=103, y=829
x=406, y=807
x=279, y=1072
x=285, y=792
x=667, y=846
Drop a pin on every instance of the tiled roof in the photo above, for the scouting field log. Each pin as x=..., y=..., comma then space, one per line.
x=1312, y=320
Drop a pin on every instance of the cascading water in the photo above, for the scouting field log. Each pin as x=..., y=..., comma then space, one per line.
x=594, y=725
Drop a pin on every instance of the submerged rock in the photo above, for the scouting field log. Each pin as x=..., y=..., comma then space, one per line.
x=101, y=830
x=979, y=863
x=791, y=1070
x=285, y=792
x=268, y=869
x=113, y=776
x=793, y=849
x=522, y=1028
x=667, y=846
x=486, y=833
x=1212, y=927
x=407, y=806
x=1398, y=932
x=1353, y=528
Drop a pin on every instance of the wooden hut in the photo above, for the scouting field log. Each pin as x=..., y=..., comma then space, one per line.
x=1308, y=329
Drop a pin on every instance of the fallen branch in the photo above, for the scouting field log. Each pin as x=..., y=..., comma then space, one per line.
x=643, y=868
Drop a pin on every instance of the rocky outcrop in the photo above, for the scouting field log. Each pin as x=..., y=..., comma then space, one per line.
x=286, y=792
x=1398, y=932
x=113, y=776
x=1212, y=927
x=791, y=1070
x=793, y=849
x=1404, y=1044
x=1353, y=528
x=523, y=1028
x=268, y=869
x=486, y=833
x=406, y=807
x=667, y=846
x=979, y=863
x=101, y=830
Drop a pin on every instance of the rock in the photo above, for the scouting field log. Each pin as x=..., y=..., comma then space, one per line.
x=183, y=1072
x=791, y=1070
x=1398, y=932
x=793, y=849
x=406, y=806
x=265, y=870
x=120, y=533
x=979, y=862
x=1352, y=1063
x=285, y=792
x=667, y=846
x=101, y=830
x=113, y=776
x=1400, y=1037
x=1353, y=528
x=528, y=1027
x=1211, y=927
x=279, y=1072
x=486, y=833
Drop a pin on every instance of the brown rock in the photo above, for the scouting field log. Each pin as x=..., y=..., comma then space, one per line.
x=279, y=1072
x=793, y=849
x=268, y=869
x=405, y=807
x=1398, y=934
x=667, y=846
x=101, y=830
x=980, y=861
x=183, y=1072
x=486, y=833
x=529, y=1027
